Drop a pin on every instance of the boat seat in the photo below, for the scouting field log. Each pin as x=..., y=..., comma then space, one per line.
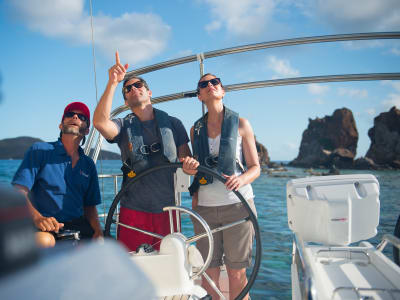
x=328, y=216
x=334, y=210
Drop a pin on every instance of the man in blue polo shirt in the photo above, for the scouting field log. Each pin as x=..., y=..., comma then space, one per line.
x=60, y=182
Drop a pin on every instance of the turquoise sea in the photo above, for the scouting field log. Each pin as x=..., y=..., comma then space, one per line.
x=273, y=281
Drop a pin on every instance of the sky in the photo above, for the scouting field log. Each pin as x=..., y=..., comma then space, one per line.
x=47, y=60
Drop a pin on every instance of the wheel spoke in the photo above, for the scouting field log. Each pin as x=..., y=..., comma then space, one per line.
x=140, y=230
x=218, y=229
x=213, y=285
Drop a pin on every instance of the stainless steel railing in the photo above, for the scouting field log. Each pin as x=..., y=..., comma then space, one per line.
x=257, y=84
x=265, y=45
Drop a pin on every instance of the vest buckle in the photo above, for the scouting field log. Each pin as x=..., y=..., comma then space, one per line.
x=146, y=149
x=211, y=161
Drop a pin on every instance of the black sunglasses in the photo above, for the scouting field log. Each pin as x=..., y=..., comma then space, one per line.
x=137, y=84
x=70, y=114
x=204, y=84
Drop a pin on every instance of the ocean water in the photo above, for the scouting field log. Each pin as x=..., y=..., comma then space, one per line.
x=273, y=280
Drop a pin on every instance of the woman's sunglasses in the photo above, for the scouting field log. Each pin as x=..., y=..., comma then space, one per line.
x=204, y=84
x=81, y=117
x=137, y=84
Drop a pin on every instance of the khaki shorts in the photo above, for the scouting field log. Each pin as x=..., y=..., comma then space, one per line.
x=235, y=243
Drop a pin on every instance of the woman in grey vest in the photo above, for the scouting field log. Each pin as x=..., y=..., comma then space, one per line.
x=223, y=141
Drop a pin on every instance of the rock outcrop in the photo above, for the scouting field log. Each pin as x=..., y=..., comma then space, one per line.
x=330, y=141
x=384, y=150
x=263, y=156
x=365, y=163
x=15, y=148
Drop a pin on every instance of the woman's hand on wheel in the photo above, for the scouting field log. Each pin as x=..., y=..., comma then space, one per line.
x=233, y=182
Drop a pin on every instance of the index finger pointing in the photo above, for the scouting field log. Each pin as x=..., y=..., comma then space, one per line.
x=117, y=58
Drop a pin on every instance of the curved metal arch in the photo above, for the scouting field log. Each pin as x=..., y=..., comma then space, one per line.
x=265, y=45
x=251, y=85
x=256, y=84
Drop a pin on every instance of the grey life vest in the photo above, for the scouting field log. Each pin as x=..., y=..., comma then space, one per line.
x=141, y=156
x=226, y=162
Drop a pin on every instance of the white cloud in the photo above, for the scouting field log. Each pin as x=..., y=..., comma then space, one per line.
x=359, y=15
x=371, y=112
x=281, y=67
x=148, y=39
x=317, y=89
x=393, y=83
x=396, y=85
x=356, y=45
x=213, y=26
x=183, y=53
x=393, y=100
x=319, y=101
x=292, y=145
x=352, y=93
x=68, y=20
x=50, y=17
x=241, y=18
x=395, y=51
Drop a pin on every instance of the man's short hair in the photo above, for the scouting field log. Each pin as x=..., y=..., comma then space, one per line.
x=134, y=77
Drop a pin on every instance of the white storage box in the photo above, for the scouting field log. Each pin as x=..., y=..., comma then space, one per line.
x=334, y=210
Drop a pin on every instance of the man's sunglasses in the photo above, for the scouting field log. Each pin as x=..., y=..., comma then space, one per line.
x=204, y=84
x=70, y=114
x=137, y=84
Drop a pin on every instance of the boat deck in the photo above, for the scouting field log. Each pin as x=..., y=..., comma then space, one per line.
x=353, y=272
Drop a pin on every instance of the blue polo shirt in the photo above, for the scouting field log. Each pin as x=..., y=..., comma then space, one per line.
x=56, y=189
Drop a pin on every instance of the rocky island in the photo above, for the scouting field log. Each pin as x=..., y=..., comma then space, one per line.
x=15, y=148
x=332, y=142
x=327, y=143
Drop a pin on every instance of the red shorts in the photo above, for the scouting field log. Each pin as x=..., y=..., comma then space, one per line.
x=153, y=222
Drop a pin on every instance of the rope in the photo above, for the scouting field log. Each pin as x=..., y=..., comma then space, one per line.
x=97, y=101
x=93, y=53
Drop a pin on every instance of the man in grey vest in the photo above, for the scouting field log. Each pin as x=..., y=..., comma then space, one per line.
x=147, y=137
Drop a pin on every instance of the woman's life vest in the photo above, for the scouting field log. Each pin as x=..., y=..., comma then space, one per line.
x=226, y=162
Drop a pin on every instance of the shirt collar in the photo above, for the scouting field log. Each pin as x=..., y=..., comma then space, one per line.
x=59, y=148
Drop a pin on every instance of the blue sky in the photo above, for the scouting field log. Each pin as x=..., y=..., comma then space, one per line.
x=47, y=60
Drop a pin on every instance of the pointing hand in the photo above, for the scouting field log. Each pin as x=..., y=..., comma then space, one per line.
x=117, y=72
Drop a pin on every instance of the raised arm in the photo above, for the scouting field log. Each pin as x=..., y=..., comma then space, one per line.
x=101, y=116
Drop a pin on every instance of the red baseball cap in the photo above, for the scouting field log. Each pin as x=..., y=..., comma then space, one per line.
x=78, y=106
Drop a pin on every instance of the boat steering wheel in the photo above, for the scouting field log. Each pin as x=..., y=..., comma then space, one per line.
x=208, y=171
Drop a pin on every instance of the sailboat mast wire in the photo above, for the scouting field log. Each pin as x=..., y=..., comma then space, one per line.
x=95, y=85
x=93, y=53
x=92, y=130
